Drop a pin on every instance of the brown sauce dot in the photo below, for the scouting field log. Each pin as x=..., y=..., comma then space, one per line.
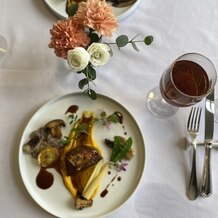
x=44, y=179
x=72, y=109
x=119, y=178
x=103, y=194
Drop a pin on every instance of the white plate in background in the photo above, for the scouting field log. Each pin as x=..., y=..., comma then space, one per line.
x=58, y=8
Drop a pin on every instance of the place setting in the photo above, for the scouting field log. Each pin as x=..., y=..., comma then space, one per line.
x=187, y=81
x=109, y=108
x=89, y=147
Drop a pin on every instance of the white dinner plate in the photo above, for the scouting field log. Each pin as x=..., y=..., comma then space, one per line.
x=58, y=8
x=57, y=200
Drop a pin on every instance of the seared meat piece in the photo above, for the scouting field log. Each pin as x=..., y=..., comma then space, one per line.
x=80, y=158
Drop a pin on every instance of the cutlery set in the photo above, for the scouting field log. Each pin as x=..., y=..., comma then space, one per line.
x=193, y=129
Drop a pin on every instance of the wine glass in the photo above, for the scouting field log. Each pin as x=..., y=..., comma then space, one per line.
x=3, y=46
x=185, y=82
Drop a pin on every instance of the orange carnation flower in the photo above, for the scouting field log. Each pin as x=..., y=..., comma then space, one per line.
x=66, y=35
x=98, y=15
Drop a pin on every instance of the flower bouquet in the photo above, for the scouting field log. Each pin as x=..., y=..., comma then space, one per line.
x=78, y=39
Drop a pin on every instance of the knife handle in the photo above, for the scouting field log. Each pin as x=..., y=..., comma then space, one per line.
x=206, y=188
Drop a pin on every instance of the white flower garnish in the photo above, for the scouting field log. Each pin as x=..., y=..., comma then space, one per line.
x=78, y=58
x=99, y=54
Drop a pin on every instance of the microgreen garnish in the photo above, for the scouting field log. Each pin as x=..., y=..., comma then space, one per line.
x=73, y=118
x=105, y=119
x=80, y=129
x=65, y=140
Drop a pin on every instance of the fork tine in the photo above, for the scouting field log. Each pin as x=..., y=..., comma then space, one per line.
x=194, y=119
x=190, y=118
x=198, y=118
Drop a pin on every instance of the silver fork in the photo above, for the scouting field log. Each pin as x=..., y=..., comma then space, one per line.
x=193, y=129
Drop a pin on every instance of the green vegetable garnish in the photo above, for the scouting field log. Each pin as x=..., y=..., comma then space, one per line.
x=120, y=150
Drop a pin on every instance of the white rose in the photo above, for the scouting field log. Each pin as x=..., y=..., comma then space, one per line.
x=99, y=54
x=78, y=58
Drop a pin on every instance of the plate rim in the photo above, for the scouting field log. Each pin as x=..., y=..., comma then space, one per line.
x=120, y=17
x=20, y=151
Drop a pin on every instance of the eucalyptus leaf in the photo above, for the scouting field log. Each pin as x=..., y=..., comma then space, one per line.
x=110, y=51
x=122, y=41
x=82, y=83
x=92, y=94
x=94, y=37
x=134, y=46
x=71, y=9
x=91, y=73
x=148, y=40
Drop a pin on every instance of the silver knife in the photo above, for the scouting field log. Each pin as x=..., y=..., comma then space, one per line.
x=206, y=187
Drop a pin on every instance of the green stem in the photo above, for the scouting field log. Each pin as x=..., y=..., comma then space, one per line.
x=135, y=41
x=131, y=41
x=86, y=74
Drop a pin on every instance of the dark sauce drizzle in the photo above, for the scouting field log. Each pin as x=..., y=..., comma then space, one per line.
x=44, y=179
x=120, y=120
x=105, y=191
x=72, y=109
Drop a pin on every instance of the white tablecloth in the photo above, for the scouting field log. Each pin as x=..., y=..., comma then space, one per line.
x=30, y=75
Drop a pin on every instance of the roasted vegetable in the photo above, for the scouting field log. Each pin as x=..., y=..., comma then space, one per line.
x=94, y=173
x=121, y=148
x=48, y=156
x=88, y=192
x=49, y=135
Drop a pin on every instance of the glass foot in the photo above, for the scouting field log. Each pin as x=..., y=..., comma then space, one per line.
x=158, y=106
x=216, y=110
x=3, y=46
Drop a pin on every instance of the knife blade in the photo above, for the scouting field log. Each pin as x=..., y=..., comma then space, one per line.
x=206, y=187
